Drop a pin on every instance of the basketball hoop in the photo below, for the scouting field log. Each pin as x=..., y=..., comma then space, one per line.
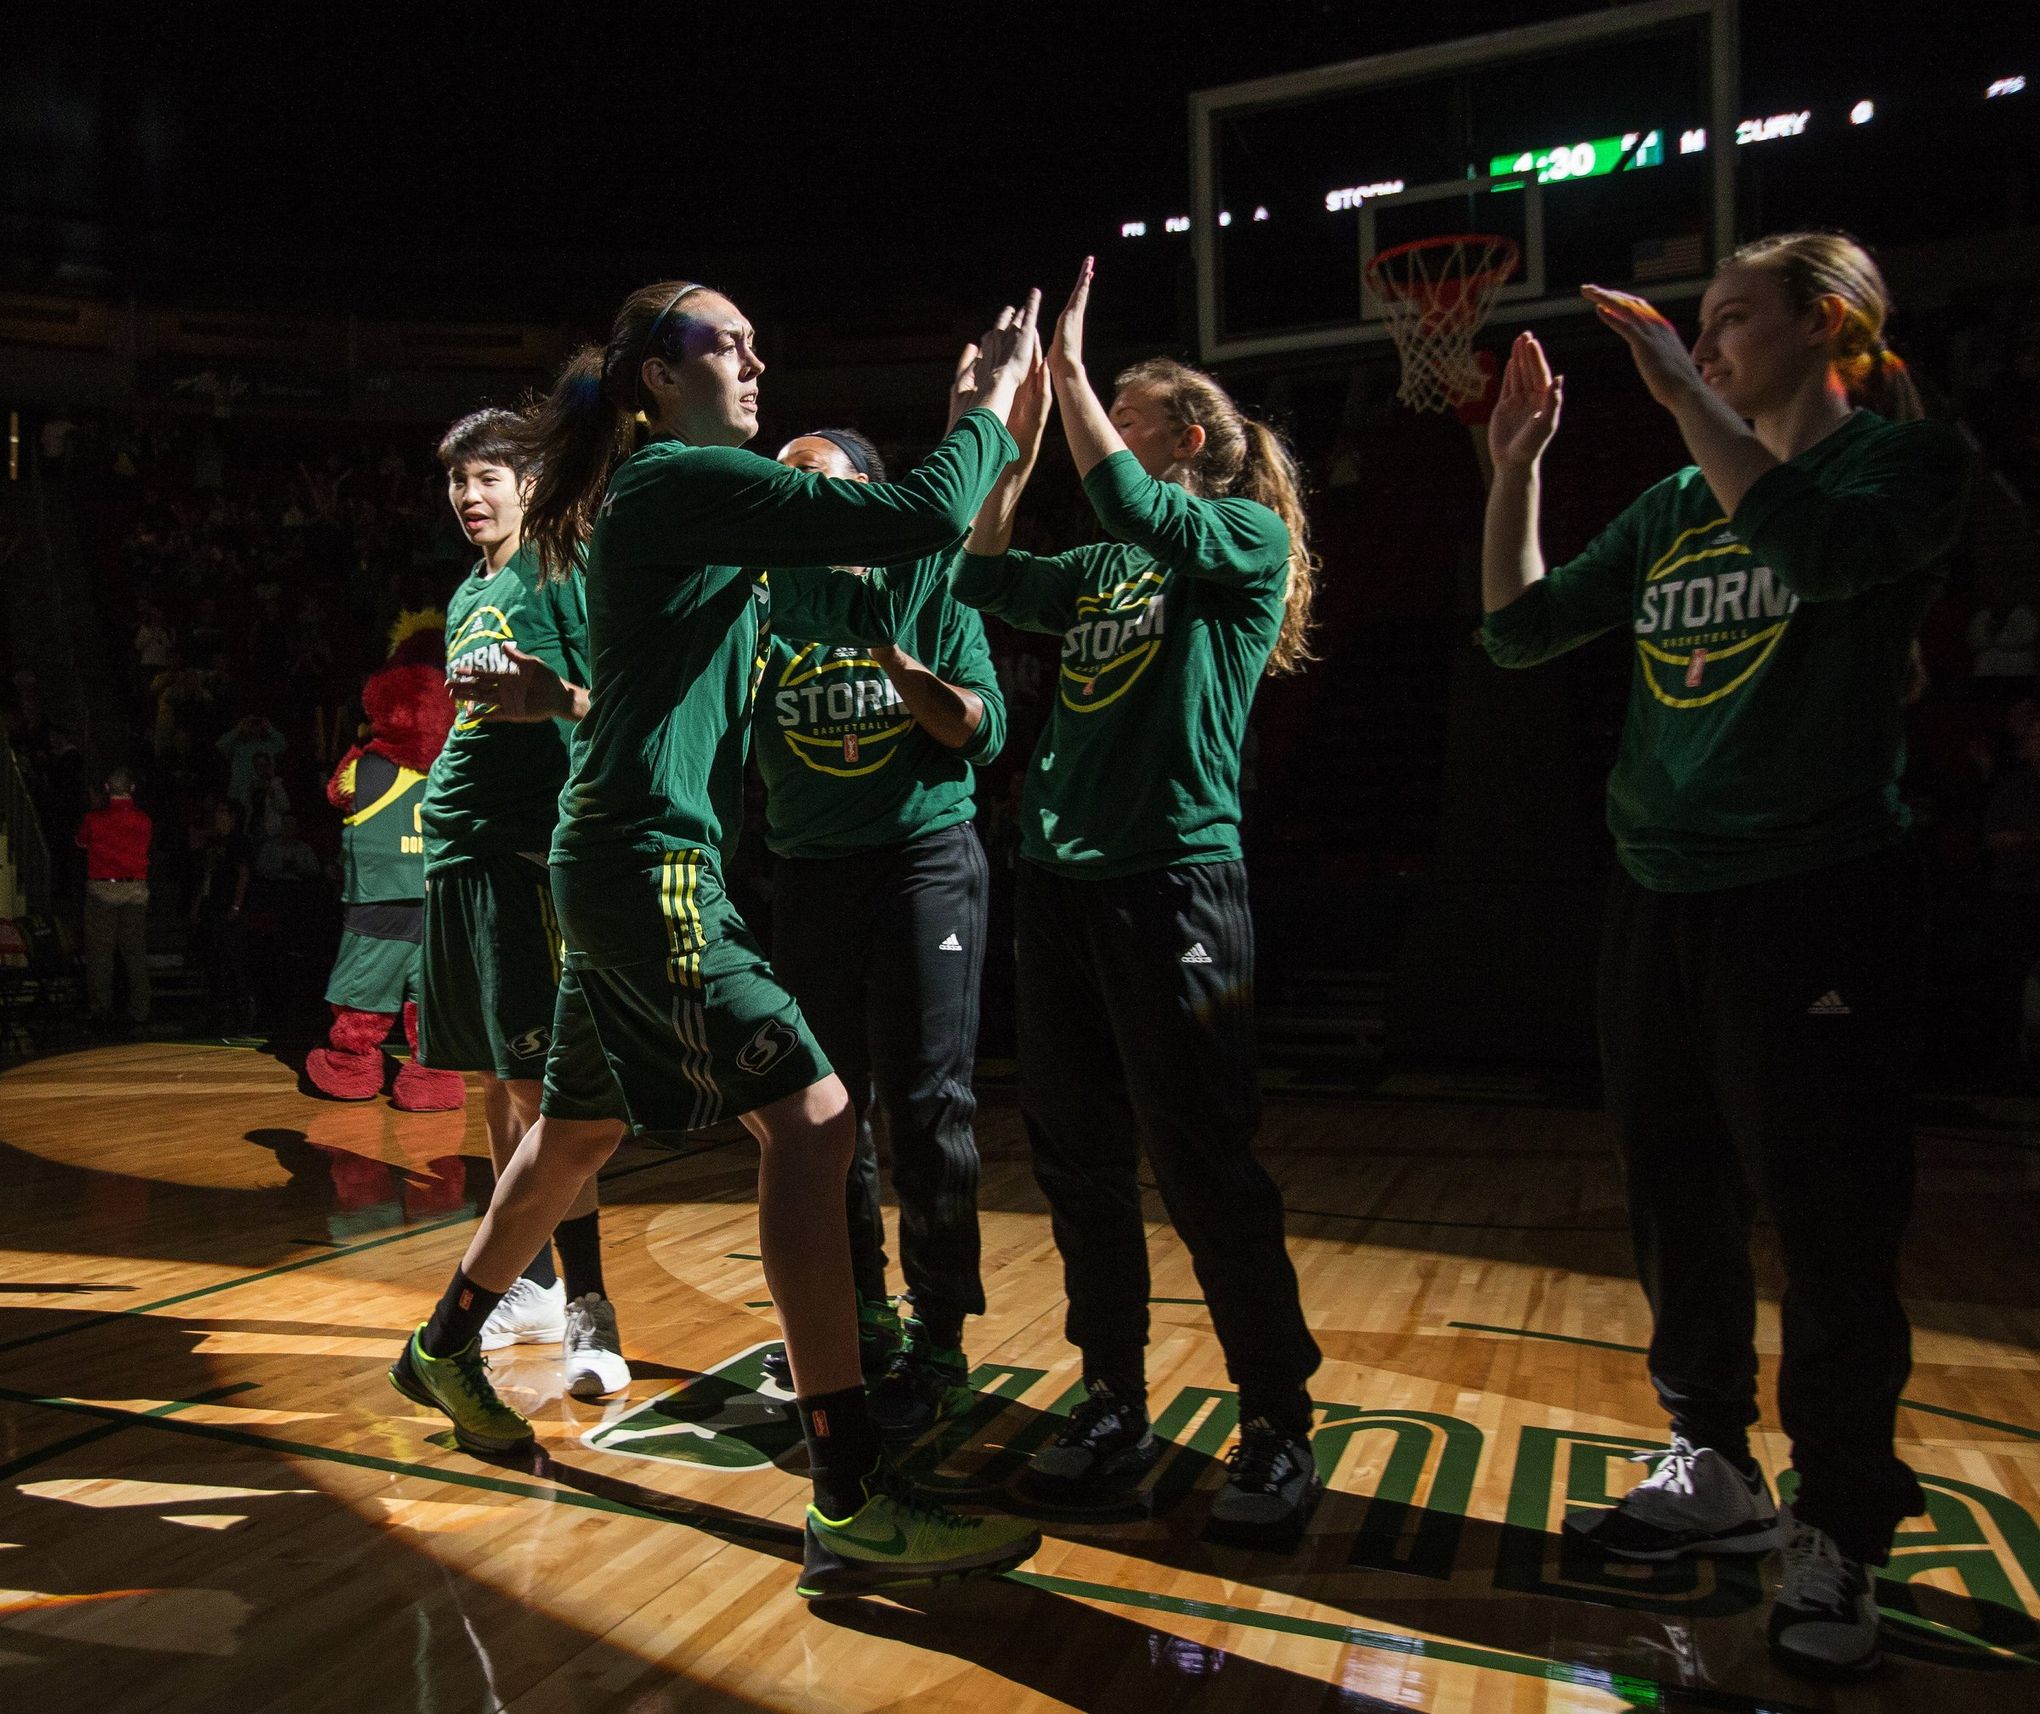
x=1436, y=293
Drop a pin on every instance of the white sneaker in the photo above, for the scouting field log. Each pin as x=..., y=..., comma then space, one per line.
x=1824, y=1621
x=1693, y=1501
x=595, y=1365
x=530, y=1314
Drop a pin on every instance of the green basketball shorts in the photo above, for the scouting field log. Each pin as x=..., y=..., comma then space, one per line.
x=667, y=991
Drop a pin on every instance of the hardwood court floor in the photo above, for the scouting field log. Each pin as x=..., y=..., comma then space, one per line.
x=214, y=1500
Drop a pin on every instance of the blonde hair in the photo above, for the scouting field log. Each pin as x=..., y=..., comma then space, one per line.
x=1811, y=266
x=1248, y=458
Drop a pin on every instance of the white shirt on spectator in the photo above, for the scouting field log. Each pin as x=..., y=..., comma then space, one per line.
x=2003, y=647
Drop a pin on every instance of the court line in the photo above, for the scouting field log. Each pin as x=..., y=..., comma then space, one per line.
x=1643, y=1691
x=1643, y=1351
x=106, y=1430
x=1401, y=1220
x=408, y=1232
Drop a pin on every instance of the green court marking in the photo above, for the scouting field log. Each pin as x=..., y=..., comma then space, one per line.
x=742, y=1256
x=107, y=1429
x=1197, y=1300
x=762, y=1303
x=1642, y=1351
x=319, y=1260
x=1639, y=1692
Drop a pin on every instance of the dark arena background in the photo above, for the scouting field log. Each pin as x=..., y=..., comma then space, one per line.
x=252, y=265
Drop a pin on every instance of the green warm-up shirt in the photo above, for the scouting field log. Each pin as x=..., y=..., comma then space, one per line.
x=698, y=555
x=495, y=787
x=1765, y=733
x=846, y=767
x=1166, y=631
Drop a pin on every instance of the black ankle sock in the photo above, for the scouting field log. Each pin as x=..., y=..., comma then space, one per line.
x=1129, y=1387
x=539, y=1270
x=457, y=1321
x=842, y=1449
x=580, y=1245
x=1288, y=1408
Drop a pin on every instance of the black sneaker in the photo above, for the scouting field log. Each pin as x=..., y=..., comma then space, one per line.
x=923, y=1384
x=1102, y=1451
x=1271, y=1488
x=878, y=1337
x=1824, y=1621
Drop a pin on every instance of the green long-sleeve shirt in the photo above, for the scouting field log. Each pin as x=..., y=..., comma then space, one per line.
x=677, y=631
x=1765, y=734
x=846, y=767
x=1166, y=632
x=495, y=787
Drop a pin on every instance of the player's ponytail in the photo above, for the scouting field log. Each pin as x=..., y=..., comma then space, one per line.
x=592, y=420
x=1248, y=458
x=1270, y=476
x=1812, y=266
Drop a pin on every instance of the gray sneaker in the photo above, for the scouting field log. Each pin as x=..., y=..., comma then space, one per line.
x=1102, y=1451
x=1693, y=1501
x=1824, y=1621
x=1271, y=1487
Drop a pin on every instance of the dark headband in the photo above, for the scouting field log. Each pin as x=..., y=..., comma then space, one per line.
x=843, y=442
x=651, y=335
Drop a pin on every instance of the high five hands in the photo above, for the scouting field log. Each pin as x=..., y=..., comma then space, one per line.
x=1066, y=353
x=991, y=371
x=1661, y=355
x=1527, y=411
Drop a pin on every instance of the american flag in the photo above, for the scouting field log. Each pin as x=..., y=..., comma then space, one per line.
x=1667, y=258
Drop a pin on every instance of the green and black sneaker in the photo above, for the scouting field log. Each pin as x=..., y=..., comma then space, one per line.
x=459, y=1386
x=878, y=1337
x=900, y=1538
x=922, y=1385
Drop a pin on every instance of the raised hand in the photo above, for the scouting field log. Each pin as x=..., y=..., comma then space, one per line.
x=1066, y=354
x=1526, y=414
x=1661, y=355
x=1033, y=404
x=1006, y=351
x=963, y=385
x=507, y=684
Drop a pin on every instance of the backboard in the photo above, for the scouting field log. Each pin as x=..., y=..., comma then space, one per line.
x=1604, y=146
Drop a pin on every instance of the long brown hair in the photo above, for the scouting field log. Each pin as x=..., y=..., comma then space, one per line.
x=578, y=433
x=1245, y=457
x=1811, y=266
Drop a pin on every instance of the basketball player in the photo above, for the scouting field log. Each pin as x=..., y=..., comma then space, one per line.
x=1760, y=967
x=878, y=928
x=663, y=980
x=1135, y=947
x=492, y=948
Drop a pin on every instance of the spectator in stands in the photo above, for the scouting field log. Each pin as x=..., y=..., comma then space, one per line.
x=2004, y=631
x=286, y=857
x=151, y=645
x=249, y=737
x=219, y=921
x=115, y=839
x=266, y=804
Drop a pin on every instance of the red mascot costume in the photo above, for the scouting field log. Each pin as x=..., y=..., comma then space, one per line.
x=378, y=788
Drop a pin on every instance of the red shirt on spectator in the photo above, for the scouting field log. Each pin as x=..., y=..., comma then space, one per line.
x=116, y=841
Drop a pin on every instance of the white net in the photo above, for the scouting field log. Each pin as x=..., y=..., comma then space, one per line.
x=1436, y=294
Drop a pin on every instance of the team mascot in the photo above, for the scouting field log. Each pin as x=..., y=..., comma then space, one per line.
x=379, y=788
